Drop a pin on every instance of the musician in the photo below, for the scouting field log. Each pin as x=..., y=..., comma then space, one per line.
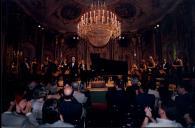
x=46, y=64
x=65, y=70
x=178, y=64
x=82, y=66
x=135, y=71
x=25, y=68
x=65, y=67
x=177, y=68
x=54, y=66
x=151, y=64
x=82, y=70
x=13, y=67
x=143, y=66
x=73, y=68
x=143, y=71
x=165, y=66
x=34, y=66
x=134, y=68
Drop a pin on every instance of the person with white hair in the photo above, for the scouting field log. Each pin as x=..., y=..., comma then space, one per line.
x=79, y=96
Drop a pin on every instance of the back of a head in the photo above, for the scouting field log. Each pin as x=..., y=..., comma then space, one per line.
x=60, y=82
x=186, y=85
x=170, y=110
x=50, y=111
x=143, y=89
x=39, y=92
x=68, y=92
x=152, y=85
x=75, y=86
x=192, y=113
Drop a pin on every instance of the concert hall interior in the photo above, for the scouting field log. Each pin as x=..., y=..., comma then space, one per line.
x=97, y=63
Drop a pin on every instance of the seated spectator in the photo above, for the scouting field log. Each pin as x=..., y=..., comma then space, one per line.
x=21, y=116
x=79, y=96
x=117, y=96
x=131, y=95
x=190, y=118
x=165, y=94
x=120, y=98
x=39, y=95
x=183, y=100
x=60, y=83
x=70, y=109
x=30, y=88
x=144, y=99
x=51, y=116
x=52, y=89
x=166, y=119
x=152, y=90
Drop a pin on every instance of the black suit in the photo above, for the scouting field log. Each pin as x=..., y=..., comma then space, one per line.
x=82, y=70
x=25, y=70
x=70, y=110
x=73, y=70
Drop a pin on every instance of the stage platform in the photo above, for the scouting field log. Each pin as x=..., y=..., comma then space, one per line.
x=98, y=95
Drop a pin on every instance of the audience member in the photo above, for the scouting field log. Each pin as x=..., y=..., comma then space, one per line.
x=190, y=118
x=79, y=96
x=183, y=100
x=167, y=117
x=152, y=90
x=21, y=116
x=51, y=116
x=39, y=95
x=70, y=109
x=144, y=99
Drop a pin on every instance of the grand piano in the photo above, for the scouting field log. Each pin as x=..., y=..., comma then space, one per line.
x=103, y=66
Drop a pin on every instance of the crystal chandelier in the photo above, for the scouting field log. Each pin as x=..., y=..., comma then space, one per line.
x=99, y=25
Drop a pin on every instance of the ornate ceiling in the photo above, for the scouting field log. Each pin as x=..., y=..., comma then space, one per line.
x=63, y=15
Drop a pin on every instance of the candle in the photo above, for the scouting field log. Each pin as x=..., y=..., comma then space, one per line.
x=90, y=20
x=94, y=16
x=86, y=17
